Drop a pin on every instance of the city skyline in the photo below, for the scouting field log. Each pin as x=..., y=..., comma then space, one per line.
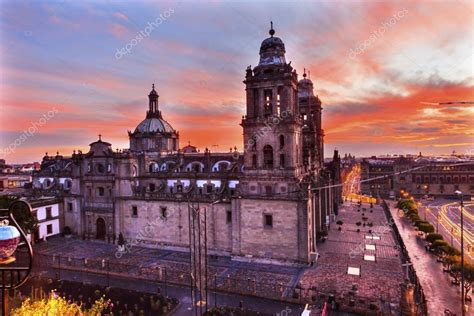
x=79, y=70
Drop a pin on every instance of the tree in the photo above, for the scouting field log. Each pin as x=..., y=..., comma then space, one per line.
x=468, y=278
x=56, y=305
x=427, y=228
x=450, y=251
x=433, y=237
x=468, y=275
x=450, y=261
x=438, y=246
x=420, y=222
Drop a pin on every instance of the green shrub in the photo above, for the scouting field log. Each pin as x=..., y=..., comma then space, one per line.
x=427, y=228
x=433, y=237
x=439, y=244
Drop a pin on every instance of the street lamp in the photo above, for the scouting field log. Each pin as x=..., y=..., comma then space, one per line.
x=459, y=194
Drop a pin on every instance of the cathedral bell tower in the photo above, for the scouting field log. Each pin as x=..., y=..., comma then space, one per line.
x=313, y=135
x=272, y=125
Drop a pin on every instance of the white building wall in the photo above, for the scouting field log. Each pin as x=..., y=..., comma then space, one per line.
x=43, y=222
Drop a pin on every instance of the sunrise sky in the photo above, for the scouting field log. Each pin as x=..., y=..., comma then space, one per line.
x=372, y=64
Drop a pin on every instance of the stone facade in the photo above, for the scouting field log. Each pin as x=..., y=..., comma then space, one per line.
x=268, y=202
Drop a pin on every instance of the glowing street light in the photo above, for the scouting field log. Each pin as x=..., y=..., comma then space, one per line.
x=459, y=194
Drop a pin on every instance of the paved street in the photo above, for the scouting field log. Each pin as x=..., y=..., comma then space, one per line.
x=445, y=216
x=439, y=292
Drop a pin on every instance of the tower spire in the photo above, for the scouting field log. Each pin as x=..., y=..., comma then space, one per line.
x=153, y=103
x=272, y=31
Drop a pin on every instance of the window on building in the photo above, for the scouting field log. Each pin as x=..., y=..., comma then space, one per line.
x=101, y=191
x=109, y=167
x=134, y=211
x=209, y=188
x=268, y=220
x=268, y=102
x=268, y=190
x=228, y=217
x=49, y=229
x=70, y=207
x=100, y=168
x=179, y=188
x=282, y=141
x=254, y=161
x=268, y=157
x=163, y=212
x=255, y=102
x=282, y=160
x=49, y=213
x=153, y=167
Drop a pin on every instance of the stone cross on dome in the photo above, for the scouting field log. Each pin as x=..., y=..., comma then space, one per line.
x=272, y=31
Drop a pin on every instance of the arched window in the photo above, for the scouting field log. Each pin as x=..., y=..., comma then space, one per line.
x=254, y=161
x=282, y=141
x=100, y=168
x=268, y=157
x=153, y=167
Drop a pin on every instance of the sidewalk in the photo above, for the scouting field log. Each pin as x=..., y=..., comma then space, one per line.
x=439, y=291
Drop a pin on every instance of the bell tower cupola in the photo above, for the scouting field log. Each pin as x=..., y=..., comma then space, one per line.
x=153, y=104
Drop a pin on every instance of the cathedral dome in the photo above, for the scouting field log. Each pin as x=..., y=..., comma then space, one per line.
x=272, y=50
x=305, y=87
x=152, y=125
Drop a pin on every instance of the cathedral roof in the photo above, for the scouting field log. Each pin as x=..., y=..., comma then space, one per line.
x=305, y=87
x=272, y=50
x=154, y=125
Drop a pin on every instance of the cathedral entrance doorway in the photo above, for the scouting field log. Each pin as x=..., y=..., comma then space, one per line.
x=100, y=229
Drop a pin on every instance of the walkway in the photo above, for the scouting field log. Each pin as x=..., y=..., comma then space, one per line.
x=439, y=291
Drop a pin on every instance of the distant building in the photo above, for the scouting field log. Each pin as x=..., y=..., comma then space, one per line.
x=14, y=181
x=417, y=176
x=269, y=202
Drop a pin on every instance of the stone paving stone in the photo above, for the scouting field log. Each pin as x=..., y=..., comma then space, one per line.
x=379, y=279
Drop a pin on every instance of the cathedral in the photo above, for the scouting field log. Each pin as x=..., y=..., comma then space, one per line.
x=271, y=202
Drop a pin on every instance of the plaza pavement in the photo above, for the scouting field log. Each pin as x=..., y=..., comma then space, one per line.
x=378, y=283
x=379, y=280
